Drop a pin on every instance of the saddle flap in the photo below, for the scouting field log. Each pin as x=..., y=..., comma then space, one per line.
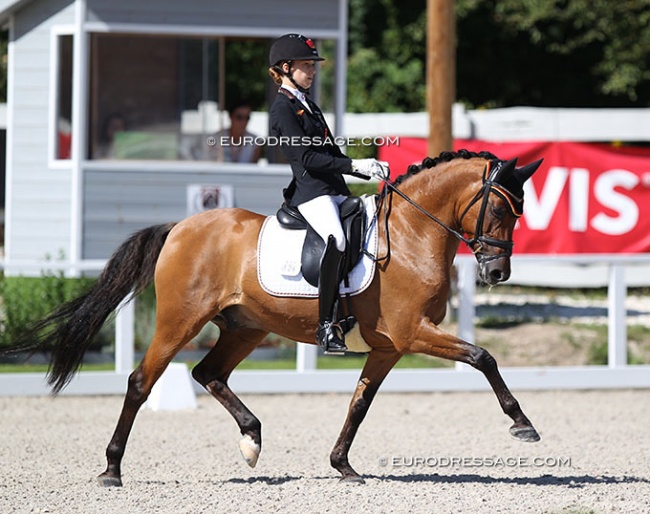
x=351, y=205
x=289, y=217
x=312, y=252
x=353, y=221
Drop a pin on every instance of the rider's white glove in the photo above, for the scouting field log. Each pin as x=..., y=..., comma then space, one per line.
x=371, y=168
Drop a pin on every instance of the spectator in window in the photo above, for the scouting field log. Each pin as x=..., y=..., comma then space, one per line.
x=113, y=124
x=235, y=143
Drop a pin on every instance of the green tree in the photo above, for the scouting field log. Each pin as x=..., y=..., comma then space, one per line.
x=561, y=53
x=246, y=71
x=386, y=65
x=554, y=53
x=618, y=34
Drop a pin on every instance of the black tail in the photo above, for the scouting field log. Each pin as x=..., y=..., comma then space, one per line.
x=71, y=327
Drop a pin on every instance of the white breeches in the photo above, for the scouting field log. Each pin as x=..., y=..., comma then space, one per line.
x=322, y=213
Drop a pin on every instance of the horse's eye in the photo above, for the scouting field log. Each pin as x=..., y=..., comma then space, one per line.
x=498, y=212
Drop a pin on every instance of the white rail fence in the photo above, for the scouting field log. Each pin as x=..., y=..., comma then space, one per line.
x=307, y=378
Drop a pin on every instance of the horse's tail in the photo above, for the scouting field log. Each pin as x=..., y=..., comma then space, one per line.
x=70, y=328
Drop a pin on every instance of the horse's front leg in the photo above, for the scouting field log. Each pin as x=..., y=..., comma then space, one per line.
x=377, y=366
x=430, y=340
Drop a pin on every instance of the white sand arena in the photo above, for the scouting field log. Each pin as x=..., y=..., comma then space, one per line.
x=439, y=452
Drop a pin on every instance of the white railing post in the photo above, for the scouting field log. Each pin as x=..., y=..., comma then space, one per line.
x=616, y=313
x=466, y=291
x=306, y=357
x=125, y=337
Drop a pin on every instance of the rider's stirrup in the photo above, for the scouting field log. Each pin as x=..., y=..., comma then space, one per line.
x=330, y=338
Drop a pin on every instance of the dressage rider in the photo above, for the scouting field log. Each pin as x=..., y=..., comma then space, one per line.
x=318, y=166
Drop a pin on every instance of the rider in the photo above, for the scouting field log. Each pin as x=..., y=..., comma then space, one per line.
x=318, y=165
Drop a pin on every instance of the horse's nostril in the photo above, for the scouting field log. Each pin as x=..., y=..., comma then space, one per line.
x=496, y=275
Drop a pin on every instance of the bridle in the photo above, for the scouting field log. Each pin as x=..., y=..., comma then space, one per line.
x=476, y=243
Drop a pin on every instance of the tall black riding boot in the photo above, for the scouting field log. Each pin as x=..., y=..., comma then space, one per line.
x=329, y=335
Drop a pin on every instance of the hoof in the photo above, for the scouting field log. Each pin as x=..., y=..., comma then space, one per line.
x=250, y=450
x=352, y=480
x=109, y=481
x=526, y=434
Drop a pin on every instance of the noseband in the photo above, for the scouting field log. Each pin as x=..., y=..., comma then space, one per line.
x=479, y=240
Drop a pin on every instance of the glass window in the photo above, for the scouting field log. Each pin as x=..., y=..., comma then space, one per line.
x=165, y=97
x=63, y=140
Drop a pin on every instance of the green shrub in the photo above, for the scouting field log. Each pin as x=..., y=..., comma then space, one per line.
x=26, y=300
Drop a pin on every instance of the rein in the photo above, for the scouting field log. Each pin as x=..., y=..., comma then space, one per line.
x=479, y=240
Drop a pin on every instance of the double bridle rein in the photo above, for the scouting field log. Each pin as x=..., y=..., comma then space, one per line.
x=476, y=243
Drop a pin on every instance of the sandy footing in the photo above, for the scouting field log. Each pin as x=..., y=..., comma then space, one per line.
x=436, y=452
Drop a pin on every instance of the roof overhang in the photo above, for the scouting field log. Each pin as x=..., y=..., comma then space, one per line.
x=8, y=7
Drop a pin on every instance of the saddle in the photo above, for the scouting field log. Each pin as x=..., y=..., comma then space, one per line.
x=353, y=221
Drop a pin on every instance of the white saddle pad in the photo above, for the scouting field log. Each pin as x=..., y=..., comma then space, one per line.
x=278, y=259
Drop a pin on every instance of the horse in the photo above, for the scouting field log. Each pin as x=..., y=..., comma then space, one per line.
x=204, y=270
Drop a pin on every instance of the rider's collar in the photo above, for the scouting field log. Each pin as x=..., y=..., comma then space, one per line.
x=299, y=95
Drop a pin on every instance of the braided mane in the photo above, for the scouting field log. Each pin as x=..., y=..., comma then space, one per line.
x=429, y=162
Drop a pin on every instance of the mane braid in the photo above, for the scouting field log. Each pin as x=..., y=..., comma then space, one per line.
x=429, y=162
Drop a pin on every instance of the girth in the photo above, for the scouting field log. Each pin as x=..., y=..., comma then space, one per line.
x=353, y=221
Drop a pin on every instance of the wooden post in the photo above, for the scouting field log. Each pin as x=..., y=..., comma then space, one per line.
x=441, y=73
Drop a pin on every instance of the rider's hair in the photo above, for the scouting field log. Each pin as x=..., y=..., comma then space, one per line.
x=275, y=74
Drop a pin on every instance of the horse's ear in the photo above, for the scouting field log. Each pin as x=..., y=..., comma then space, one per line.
x=510, y=165
x=506, y=169
x=525, y=172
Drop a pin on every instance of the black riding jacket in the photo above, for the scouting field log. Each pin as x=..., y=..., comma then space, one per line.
x=308, y=145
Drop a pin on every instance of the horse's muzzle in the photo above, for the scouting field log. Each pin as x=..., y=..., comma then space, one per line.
x=493, y=269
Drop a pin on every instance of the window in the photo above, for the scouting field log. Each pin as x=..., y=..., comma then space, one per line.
x=160, y=97
x=63, y=139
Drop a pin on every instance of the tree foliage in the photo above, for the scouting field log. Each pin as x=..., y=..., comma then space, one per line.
x=386, y=66
x=616, y=33
x=554, y=53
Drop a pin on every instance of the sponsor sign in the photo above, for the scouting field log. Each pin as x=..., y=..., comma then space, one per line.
x=584, y=199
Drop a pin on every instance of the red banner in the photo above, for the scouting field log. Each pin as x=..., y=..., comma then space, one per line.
x=585, y=198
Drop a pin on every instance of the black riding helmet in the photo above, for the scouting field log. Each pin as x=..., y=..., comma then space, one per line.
x=292, y=47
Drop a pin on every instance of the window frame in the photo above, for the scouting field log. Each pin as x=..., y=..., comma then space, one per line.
x=98, y=27
x=96, y=114
x=56, y=35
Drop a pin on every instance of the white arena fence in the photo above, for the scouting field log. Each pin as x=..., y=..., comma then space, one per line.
x=306, y=378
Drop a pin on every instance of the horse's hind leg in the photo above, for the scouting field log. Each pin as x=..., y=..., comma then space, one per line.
x=164, y=345
x=135, y=397
x=213, y=373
